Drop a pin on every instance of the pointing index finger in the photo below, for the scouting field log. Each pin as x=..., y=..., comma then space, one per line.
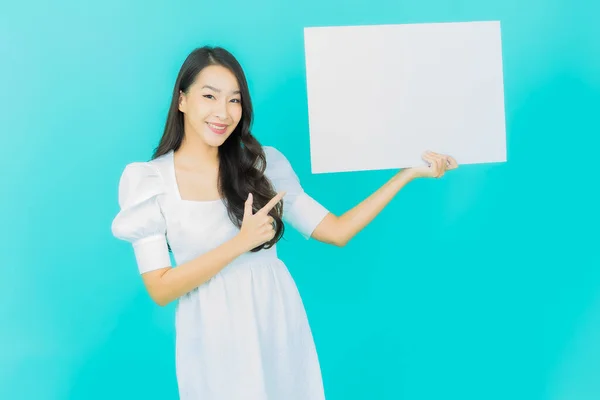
x=273, y=202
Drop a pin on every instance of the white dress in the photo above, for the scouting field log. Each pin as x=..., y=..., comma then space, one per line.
x=244, y=334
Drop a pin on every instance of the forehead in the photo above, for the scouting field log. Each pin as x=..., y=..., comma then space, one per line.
x=217, y=77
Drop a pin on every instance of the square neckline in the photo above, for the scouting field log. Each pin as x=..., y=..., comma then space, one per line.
x=176, y=185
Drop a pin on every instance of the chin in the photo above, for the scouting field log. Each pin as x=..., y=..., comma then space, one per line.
x=215, y=141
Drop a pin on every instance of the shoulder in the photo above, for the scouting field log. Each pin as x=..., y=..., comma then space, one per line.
x=144, y=170
x=140, y=180
x=274, y=157
x=139, y=171
x=271, y=152
x=278, y=168
x=140, y=215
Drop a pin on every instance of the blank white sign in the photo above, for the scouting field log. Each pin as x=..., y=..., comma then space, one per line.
x=381, y=95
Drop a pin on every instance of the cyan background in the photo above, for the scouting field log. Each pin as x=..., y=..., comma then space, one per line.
x=483, y=285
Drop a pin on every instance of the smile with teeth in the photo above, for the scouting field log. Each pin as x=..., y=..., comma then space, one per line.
x=217, y=128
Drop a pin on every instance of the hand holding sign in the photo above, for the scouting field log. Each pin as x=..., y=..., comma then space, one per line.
x=437, y=165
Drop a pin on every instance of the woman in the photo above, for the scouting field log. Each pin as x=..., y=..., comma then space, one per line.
x=217, y=199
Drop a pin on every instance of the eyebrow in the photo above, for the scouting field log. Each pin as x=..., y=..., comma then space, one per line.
x=219, y=90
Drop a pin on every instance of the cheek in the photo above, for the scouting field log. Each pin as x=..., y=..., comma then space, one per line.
x=197, y=120
x=195, y=111
x=236, y=112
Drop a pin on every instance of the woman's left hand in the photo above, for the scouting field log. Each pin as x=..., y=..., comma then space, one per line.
x=437, y=165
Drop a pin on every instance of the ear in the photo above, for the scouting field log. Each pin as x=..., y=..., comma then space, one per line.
x=181, y=101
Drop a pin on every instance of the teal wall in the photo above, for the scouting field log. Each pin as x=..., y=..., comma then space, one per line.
x=483, y=285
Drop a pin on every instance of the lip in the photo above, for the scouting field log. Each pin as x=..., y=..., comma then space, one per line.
x=222, y=130
x=217, y=124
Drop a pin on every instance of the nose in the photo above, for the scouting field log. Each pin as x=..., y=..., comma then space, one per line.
x=220, y=110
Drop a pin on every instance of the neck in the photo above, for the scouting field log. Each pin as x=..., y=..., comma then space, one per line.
x=195, y=154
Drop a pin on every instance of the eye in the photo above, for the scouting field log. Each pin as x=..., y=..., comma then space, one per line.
x=236, y=100
x=209, y=96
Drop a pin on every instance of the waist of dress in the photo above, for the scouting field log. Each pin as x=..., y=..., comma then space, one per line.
x=248, y=267
x=262, y=256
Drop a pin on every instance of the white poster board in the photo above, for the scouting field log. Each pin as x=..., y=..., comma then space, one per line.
x=381, y=95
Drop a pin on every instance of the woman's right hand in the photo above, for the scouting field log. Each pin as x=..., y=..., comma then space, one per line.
x=257, y=228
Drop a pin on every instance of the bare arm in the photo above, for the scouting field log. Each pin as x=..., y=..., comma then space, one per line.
x=168, y=284
x=340, y=230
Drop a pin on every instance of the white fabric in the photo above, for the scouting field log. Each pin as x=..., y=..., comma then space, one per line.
x=243, y=334
x=140, y=220
x=300, y=210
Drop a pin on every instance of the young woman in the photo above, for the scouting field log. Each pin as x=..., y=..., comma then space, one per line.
x=218, y=200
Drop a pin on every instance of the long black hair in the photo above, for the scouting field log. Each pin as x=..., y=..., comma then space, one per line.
x=242, y=161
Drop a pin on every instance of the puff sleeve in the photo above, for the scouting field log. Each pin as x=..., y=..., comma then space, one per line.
x=140, y=220
x=300, y=210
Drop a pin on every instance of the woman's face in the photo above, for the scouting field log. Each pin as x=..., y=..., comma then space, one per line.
x=212, y=107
